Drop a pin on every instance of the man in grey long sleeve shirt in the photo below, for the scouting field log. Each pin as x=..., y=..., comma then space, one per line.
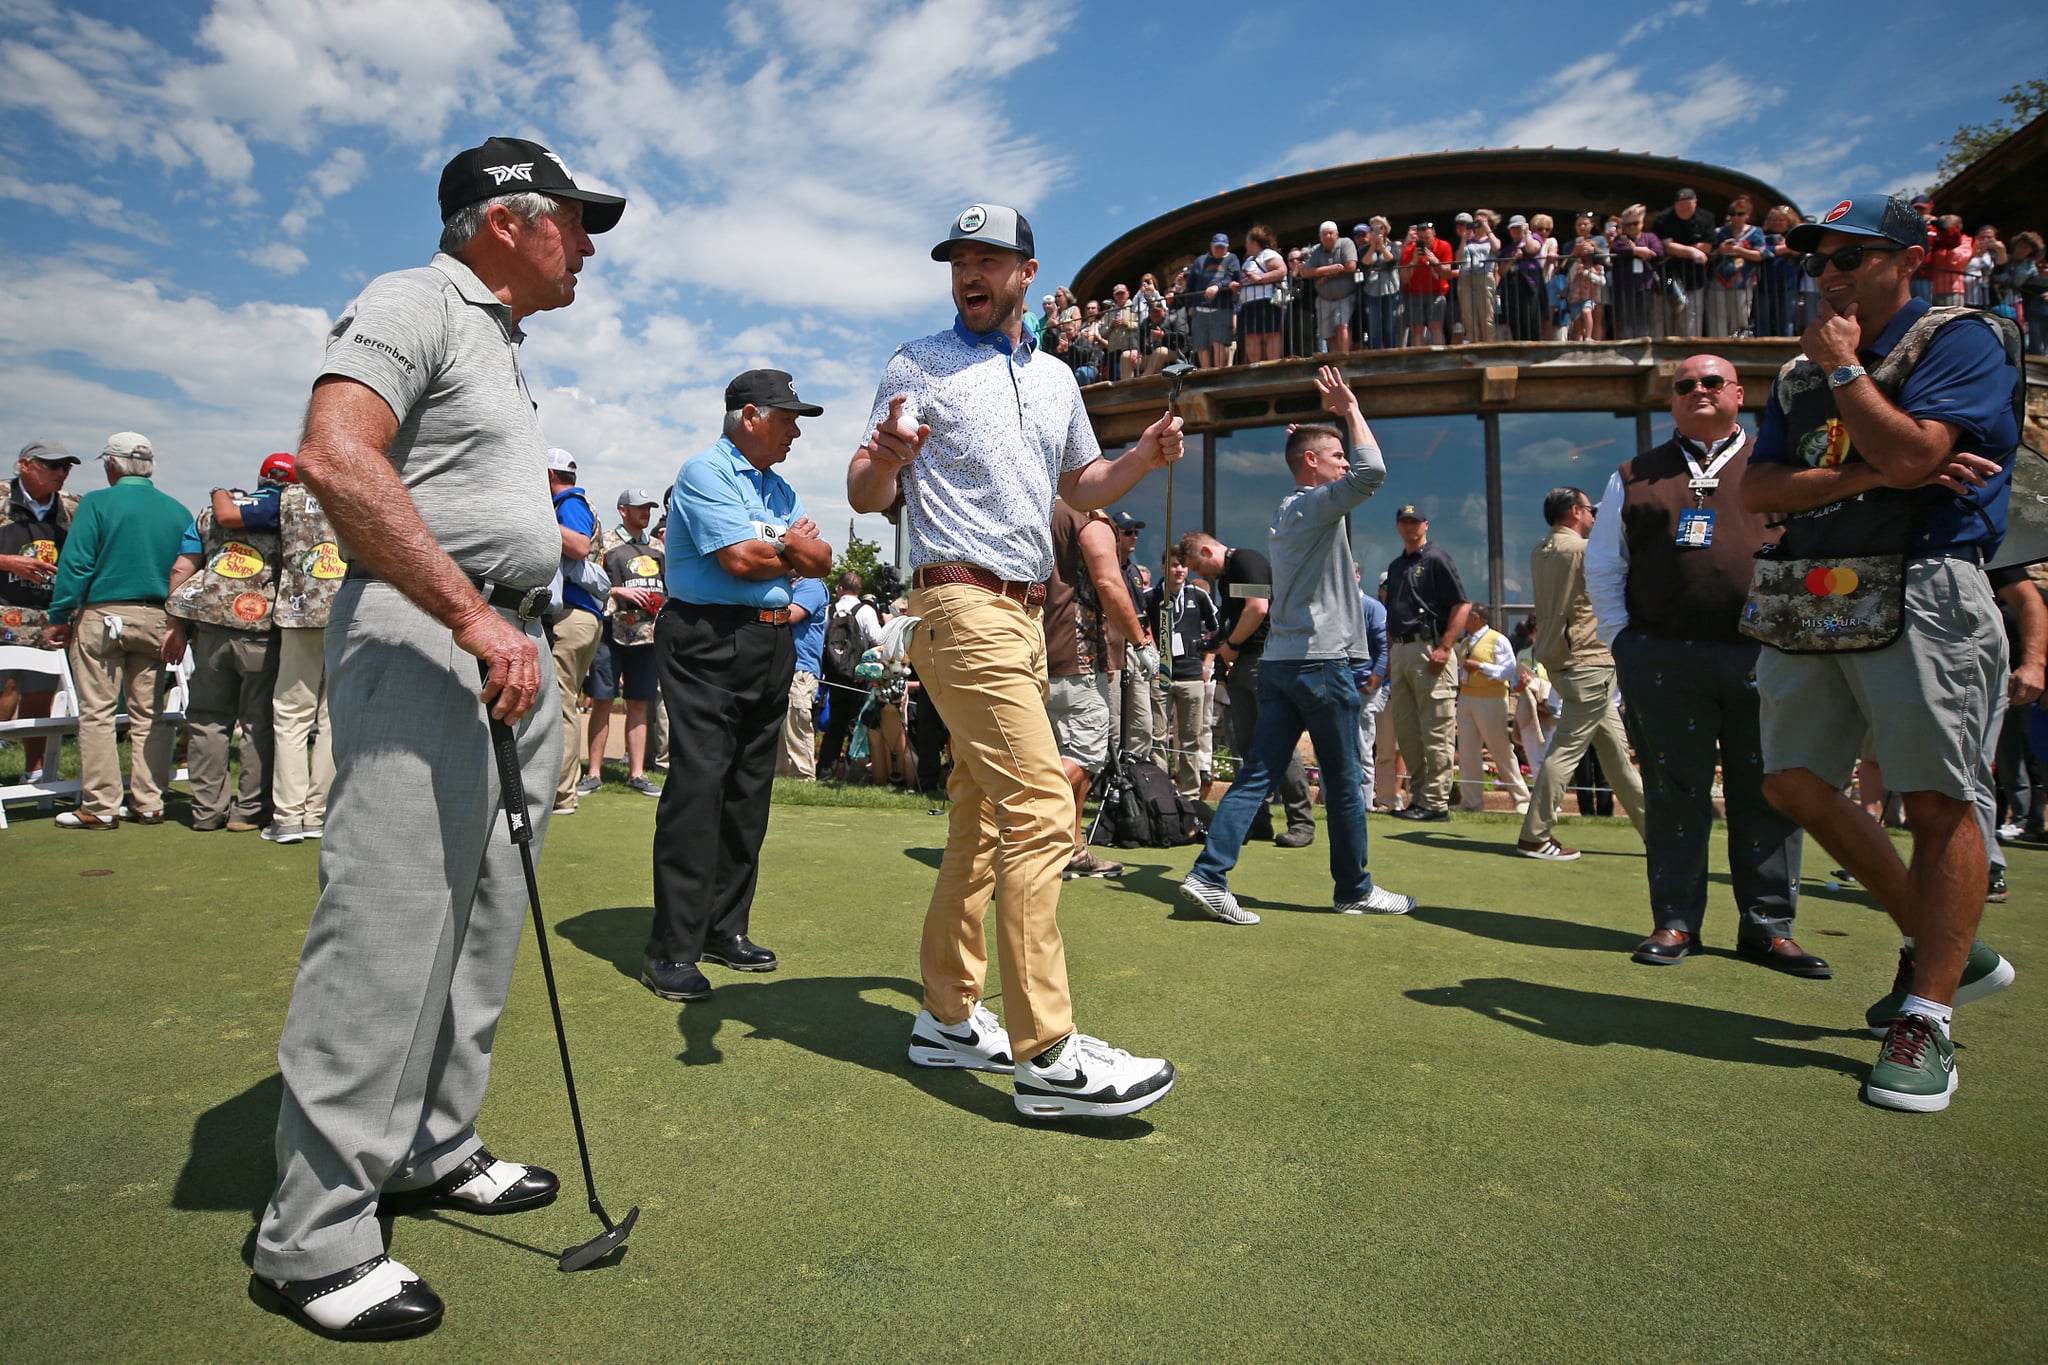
x=1318, y=632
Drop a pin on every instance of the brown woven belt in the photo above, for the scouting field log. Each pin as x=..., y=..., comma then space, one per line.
x=772, y=616
x=931, y=575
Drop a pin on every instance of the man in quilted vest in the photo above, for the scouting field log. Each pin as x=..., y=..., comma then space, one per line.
x=1887, y=395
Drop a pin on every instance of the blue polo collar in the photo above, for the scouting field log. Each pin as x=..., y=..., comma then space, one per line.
x=742, y=465
x=999, y=340
x=1895, y=330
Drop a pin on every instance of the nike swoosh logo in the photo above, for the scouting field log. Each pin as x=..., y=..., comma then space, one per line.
x=972, y=1039
x=1080, y=1081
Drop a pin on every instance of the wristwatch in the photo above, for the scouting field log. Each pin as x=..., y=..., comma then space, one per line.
x=1845, y=375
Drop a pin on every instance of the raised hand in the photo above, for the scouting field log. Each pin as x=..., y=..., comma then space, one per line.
x=897, y=438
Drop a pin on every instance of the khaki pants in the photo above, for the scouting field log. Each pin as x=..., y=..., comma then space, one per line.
x=1010, y=832
x=576, y=639
x=1385, y=759
x=888, y=760
x=1588, y=719
x=1483, y=723
x=105, y=671
x=1424, y=706
x=800, y=730
x=298, y=708
x=234, y=673
x=1188, y=703
x=1475, y=305
x=1728, y=310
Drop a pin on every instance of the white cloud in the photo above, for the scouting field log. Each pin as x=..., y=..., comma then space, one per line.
x=75, y=201
x=280, y=257
x=1652, y=23
x=859, y=124
x=1595, y=100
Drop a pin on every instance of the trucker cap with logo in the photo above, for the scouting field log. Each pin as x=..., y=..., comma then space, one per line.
x=1866, y=215
x=990, y=225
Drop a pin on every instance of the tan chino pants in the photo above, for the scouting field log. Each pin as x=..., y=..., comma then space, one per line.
x=105, y=671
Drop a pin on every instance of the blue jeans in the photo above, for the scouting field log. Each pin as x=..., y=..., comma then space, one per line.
x=1316, y=695
x=1383, y=321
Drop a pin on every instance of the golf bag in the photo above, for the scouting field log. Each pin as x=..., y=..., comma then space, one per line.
x=1142, y=809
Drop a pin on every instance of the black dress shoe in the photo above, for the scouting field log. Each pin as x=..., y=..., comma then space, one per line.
x=1295, y=838
x=674, y=980
x=410, y=1309
x=1422, y=815
x=1665, y=948
x=1782, y=954
x=740, y=954
x=535, y=1189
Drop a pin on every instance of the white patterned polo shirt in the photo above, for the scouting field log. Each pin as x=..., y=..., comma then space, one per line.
x=1005, y=423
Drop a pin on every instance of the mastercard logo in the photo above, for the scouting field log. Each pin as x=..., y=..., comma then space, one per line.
x=1826, y=582
x=1836, y=212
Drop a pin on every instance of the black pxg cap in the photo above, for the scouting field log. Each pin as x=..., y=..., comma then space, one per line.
x=991, y=225
x=509, y=165
x=1867, y=215
x=767, y=389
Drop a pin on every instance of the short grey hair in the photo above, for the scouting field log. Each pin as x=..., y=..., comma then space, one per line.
x=133, y=466
x=733, y=417
x=458, y=232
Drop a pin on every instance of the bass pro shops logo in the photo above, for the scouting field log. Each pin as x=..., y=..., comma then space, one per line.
x=500, y=174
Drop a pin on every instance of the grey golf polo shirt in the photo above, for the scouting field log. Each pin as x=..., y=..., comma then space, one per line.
x=1006, y=423
x=442, y=350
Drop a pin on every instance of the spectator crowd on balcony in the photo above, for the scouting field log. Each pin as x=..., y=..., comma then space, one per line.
x=1680, y=271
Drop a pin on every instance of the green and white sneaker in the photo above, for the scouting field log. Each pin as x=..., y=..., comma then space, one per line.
x=1916, y=1067
x=1986, y=973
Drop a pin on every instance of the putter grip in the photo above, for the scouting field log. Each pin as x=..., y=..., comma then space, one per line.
x=505, y=749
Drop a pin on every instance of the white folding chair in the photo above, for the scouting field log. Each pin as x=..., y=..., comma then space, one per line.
x=43, y=785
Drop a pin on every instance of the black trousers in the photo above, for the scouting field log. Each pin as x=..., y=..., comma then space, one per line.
x=1292, y=785
x=928, y=736
x=725, y=681
x=844, y=699
x=1693, y=704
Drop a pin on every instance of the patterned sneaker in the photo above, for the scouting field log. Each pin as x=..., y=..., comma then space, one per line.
x=1998, y=893
x=1083, y=1077
x=1086, y=864
x=1215, y=901
x=1378, y=901
x=977, y=1044
x=1546, y=848
x=1916, y=1068
x=1986, y=973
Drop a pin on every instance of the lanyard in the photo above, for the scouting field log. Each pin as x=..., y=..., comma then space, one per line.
x=1705, y=481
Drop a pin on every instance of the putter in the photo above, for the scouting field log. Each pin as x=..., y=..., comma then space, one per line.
x=1176, y=375
x=505, y=746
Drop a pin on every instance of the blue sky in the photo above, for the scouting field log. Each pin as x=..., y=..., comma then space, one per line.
x=194, y=189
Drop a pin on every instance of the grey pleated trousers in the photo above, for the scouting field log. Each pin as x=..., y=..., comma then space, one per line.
x=387, y=1046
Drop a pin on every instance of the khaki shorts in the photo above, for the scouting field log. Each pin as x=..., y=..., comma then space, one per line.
x=1332, y=316
x=1079, y=707
x=1925, y=700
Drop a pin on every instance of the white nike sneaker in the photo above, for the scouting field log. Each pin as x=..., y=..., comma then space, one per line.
x=978, y=1043
x=1378, y=901
x=1083, y=1077
x=1215, y=901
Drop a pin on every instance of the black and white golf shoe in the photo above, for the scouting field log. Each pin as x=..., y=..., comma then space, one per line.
x=977, y=1043
x=1083, y=1077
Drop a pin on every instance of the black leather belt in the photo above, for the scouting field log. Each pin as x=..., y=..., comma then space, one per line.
x=528, y=604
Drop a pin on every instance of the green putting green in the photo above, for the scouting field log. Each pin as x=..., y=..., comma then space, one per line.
x=1476, y=1133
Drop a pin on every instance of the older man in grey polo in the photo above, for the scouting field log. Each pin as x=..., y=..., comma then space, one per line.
x=423, y=446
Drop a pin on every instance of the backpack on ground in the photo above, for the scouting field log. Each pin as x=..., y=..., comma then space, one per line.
x=845, y=642
x=1146, y=811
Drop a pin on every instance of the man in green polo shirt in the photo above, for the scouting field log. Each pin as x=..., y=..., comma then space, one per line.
x=107, y=606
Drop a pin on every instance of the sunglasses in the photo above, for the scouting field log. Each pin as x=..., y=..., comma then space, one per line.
x=1846, y=259
x=1709, y=382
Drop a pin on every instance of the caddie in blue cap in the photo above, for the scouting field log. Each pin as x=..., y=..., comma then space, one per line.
x=1888, y=446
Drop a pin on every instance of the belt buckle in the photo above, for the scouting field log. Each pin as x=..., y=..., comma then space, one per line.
x=534, y=603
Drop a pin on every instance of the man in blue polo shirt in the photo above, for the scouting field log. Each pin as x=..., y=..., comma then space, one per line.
x=1894, y=433
x=736, y=533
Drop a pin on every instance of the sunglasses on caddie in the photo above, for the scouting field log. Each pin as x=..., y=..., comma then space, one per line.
x=1709, y=382
x=1846, y=259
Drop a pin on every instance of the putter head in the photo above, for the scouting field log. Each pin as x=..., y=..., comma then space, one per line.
x=1177, y=373
x=597, y=1248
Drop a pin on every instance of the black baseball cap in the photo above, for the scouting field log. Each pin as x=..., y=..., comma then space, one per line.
x=508, y=165
x=1408, y=511
x=991, y=224
x=767, y=389
x=1867, y=215
x=1124, y=521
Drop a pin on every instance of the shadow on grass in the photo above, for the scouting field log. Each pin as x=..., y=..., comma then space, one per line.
x=1535, y=931
x=828, y=1015
x=1597, y=1019
x=1452, y=841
